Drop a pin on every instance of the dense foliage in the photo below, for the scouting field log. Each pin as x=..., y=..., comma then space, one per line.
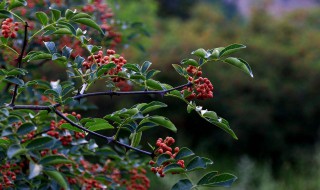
x=45, y=144
x=276, y=114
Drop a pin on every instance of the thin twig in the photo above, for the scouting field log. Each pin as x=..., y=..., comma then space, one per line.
x=117, y=93
x=78, y=97
x=109, y=139
x=25, y=42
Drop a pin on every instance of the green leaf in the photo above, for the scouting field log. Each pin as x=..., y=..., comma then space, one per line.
x=105, y=68
x=137, y=77
x=17, y=3
x=79, y=60
x=40, y=56
x=70, y=127
x=223, y=124
x=211, y=115
x=15, y=150
x=206, y=178
x=51, y=47
x=55, y=159
x=189, y=108
x=66, y=51
x=136, y=138
x=163, y=121
x=151, y=73
x=98, y=124
x=69, y=14
x=58, y=177
x=55, y=14
x=17, y=71
x=63, y=24
x=132, y=67
x=42, y=17
x=145, y=66
x=184, y=184
x=62, y=31
x=93, y=48
x=80, y=15
x=173, y=168
x=213, y=179
x=231, y=49
x=145, y=126
x=26, y=128
x=51, y=92
x=162, y=159
x=4, y=142
x=215, y=53
x=40, y=143
x=14, y=80
x=198, y=163
x=154, y=84
x=34, y=170
x=154, y=105
x=184, y=153
x=66, y=90
x=200, y=53
x=5, y=14
x=240, y=63
x=88, y=22
x=190, y=62
x=179, y=69
x=108, y=152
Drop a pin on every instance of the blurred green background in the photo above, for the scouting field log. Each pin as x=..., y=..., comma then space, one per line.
x=275, y=115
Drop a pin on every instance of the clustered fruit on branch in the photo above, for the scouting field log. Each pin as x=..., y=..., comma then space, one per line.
x=202, y=88
x=100, y=60
x=59, y=133
x=164, y=148
x=9, y=28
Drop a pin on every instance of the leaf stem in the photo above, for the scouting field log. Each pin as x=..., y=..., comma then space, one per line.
x=18, y=17
x=14, y=51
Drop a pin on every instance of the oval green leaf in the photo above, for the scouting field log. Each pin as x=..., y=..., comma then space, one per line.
x=240, y=63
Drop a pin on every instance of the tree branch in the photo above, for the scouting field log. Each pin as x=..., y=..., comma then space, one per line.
x=112, y=93
x=24, y=45
x=78, y=97
x=109, y=139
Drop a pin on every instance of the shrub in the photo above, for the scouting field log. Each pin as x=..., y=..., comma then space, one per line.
x=45, y=144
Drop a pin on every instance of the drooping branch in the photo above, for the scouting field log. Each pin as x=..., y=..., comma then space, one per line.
x=78, y=97
x=117, y=93
x=108, y=139
x=19, y=60
x=60, y=114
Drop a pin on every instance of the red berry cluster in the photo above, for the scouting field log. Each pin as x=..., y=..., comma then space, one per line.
x=88, y=182
x=124, y=85
x=194, y=70
x=138, y=180
x=92, y=184
x=46, y=151
x=100, y=59
x=202, y=89
x=67, y=138
x=9, y=29
x=164, y=148
x=26, y=137
x=101, y=7
x=105, y=13
x=9, y=174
